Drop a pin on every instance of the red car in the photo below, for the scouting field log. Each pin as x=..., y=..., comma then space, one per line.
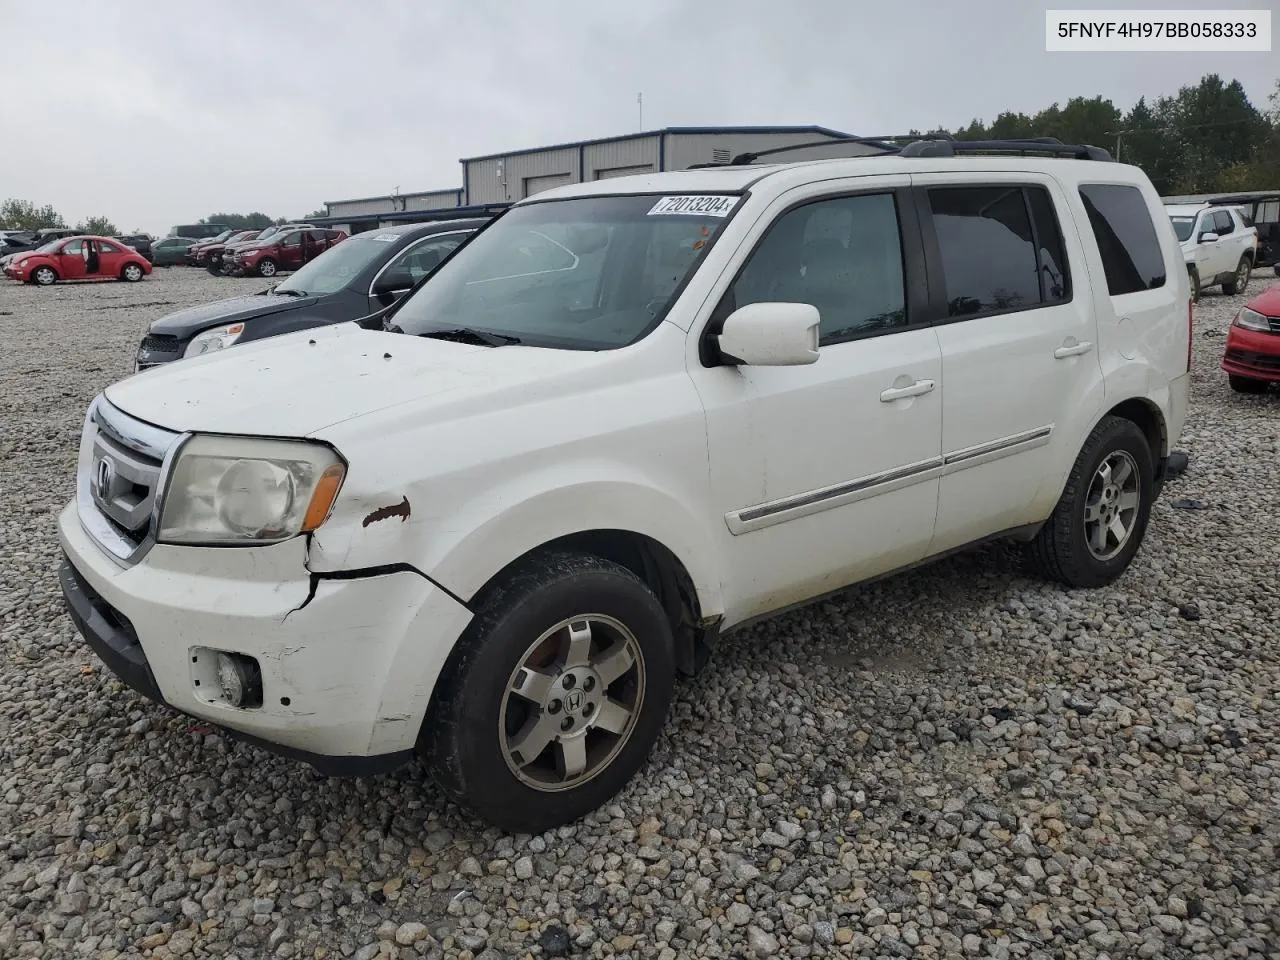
x=287, y=250
x=78, y=258
x=1252, y=358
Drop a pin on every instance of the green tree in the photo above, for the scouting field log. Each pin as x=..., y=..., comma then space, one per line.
x=241, y=221
x=97, y=226
x=319, y=212
x=1219, y=128
x=25, y=215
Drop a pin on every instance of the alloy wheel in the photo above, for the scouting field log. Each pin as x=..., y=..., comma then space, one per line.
x=1111, y=506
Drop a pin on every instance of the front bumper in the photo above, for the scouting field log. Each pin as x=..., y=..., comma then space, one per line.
x=1252, y=353
x=348, y=664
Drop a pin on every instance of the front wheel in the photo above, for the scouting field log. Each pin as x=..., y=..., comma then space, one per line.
x=131, y=273
x=45, y=276
x=1239, y=281
x=267, y=268
x=1099, y=522
x=215, y=268
x=1194, y=276
x=1246, y=384
x=554, y=696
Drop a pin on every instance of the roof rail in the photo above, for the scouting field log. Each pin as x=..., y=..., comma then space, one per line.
x=1023, y=147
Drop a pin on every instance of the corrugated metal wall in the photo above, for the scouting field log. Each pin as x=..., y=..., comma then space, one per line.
x=358, y=208
x=432, y=201
x=498, y=179
x=637, y=155
x=684, y=150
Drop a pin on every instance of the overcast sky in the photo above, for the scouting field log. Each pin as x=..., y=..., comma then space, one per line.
x=153, y=113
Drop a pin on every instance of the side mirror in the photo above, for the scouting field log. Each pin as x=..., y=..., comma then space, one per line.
x=1208, y=237
x=771, y=335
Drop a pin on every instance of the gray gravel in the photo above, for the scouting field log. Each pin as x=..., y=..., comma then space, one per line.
x=960, y=762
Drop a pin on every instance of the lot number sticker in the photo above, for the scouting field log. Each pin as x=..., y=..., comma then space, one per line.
x=694, y=206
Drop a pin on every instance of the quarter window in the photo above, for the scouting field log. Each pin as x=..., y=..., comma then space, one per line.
x=843, y=256
x=1000, y=247
x=1131, y=255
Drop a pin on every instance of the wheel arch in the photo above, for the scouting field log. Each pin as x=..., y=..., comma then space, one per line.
x=1149, y=419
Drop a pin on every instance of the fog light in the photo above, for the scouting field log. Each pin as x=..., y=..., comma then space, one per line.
x=239, y=679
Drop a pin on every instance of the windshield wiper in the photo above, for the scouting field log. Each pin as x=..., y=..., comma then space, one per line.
x=469, y=335
x=289, y=293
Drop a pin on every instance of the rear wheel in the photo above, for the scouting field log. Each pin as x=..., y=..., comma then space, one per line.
x=1246, y=384
x=1239, y=281
x=554, y=696
x=44, y=276
x=131, y=273
x=1101, y=518
x=267, y=268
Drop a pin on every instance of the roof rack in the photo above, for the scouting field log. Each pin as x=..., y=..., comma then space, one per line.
x=933, y=145
x=1023, y=147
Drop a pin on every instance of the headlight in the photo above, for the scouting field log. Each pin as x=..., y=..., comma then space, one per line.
x=23, y=263
x=215, y=338
x=247, y=490
x=1252, y=320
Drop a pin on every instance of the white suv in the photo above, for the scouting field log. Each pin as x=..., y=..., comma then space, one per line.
x=1219, y=247
x=622, y=419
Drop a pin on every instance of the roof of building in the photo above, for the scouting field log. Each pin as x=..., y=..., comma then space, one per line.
x=692, y=131
x=397, y=196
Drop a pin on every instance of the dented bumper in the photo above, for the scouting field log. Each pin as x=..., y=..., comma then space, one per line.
x=348, y=662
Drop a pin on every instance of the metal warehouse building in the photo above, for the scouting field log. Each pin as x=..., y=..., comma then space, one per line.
x=503, y=178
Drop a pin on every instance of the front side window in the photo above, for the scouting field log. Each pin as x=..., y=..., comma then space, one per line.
x=991, y=262
x=588, y=273
x=291, y=240
x=419, y=259
x=1131, y=255
x=74, y=249
x=843, y=256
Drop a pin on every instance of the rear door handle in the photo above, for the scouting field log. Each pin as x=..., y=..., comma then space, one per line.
x=911, y=390
x=1072, y=350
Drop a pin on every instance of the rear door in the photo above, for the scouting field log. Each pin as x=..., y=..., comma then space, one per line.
x=1019, y=356
x=111, y=257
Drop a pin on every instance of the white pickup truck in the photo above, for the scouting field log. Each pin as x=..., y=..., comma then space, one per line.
x=623, y=419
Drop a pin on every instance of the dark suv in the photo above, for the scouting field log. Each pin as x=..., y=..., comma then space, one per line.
x=351, y=280
x=138, y=241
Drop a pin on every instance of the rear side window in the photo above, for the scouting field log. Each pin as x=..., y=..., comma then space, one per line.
x=1131, y=254
x=1223, y=224
x=1001, y=249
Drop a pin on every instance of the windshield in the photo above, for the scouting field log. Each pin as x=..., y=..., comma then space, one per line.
x=593, y=273
x=338, y=266
x=1182, y=227
x=48, y=247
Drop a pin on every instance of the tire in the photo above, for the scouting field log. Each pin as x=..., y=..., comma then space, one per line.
x=1246, y=384
x=476, y=717
x=1239, y=281
x=44, y=276
x=131, y=273
x=267, y=267
x=215, y=268
x=1062, y=549
x=1194, y=276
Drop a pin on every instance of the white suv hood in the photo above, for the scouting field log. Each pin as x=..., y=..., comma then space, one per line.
x=297, y=384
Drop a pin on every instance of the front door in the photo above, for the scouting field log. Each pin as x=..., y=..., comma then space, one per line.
x=1019, y=347
x=291, y=250
x=828, y=473
x=73, y=259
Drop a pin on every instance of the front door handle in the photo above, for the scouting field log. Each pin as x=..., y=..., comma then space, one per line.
x=1072, y=350
x=911, y=390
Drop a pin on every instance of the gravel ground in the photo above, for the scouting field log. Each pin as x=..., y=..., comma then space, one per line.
x=959, y=762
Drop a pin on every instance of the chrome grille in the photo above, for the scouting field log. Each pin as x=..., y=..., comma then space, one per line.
x=121, y=472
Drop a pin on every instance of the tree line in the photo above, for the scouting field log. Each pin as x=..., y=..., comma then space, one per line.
x=1206, y=138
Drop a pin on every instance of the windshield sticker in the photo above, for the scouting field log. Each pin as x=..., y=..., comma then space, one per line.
x=694, y=206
